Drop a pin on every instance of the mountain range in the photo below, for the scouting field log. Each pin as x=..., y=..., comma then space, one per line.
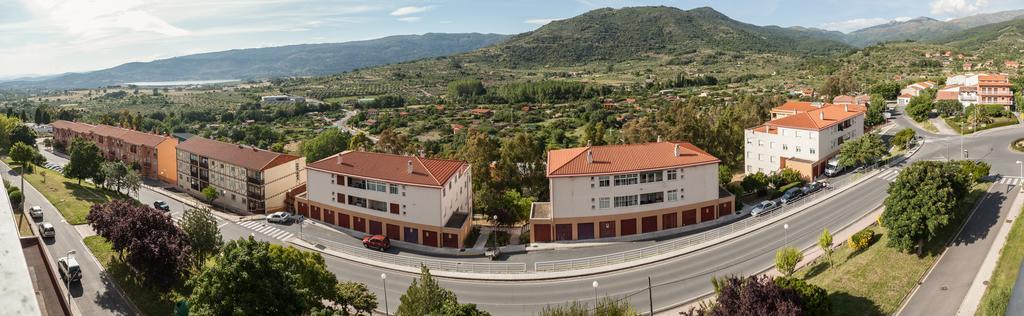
x=924, y=28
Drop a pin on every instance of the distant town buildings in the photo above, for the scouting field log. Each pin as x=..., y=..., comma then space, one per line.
x=978, y=89
x=861, y=100
x=151, y=154
x=801, y=136
x=622, y=190
x=913, y=90
x=282, y=99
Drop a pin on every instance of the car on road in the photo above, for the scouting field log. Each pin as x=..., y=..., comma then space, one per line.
x=379, y=242
x=69, y=269
x=161, y=205
x=46, y=230
x=765, y=207
x=792, y=195
x=279, y=217
x=35, y=211
x=813, y=187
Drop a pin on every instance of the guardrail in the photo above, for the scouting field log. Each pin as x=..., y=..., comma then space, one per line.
x=433, y=264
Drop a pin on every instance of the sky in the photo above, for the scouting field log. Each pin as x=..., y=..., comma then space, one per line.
x=39, y=37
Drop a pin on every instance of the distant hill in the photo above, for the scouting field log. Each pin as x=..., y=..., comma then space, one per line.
x=1004, y=39
x=924, y=28
x=270, y=62
x=637, y=32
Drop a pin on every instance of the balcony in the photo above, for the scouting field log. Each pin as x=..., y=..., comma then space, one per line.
x=254, y=195
x=254, y=180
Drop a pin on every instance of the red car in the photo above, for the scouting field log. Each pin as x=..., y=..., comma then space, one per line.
x=378, y=242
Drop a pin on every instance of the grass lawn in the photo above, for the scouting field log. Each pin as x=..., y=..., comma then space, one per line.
x=997, y=295
x=71, y=199
x=875, y=280
x=968, y=129
x=24, y=223
x=149, y=300
x=928, y=126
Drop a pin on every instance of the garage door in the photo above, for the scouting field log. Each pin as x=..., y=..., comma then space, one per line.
x=329, y=216
x=451, y=240
x=649, y=224
x=541, y=232
x=689, y=217
x=394, y=232
x=585, y=231
x=607, y=229
x=359, y=224
x=411, y=235
x=670, y=220
x=376, y=228
x=724, y=209
x=628, y=226
x=430, y=238
x=343, y=220
x=707, y=213
x=563, y=231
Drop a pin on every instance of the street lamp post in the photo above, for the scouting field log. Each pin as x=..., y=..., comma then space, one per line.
x=595, y=293
x=492, y=237
x=68, y=277
x=384, y=278
x=786, y=228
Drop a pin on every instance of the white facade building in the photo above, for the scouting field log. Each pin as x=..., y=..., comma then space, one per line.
x=803, y=141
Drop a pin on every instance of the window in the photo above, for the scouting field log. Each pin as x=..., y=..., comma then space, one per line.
x=797, y=148
x=603, y=181
x=623, y=201
x=785, y=147
x=648, y=177
x=760, y=143
x=811, y=150
x=673, y=195
x=378, y=205
x=604, y=203
x=393, y=188
x=376, y=186
x=357, y=201
x=651, y=198
x=626, y=179
x=672, y=174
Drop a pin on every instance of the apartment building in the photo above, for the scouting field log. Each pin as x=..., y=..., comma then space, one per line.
x=965, y=95
x=803, y=141
x=246, y=178
x=622, y=190
x=151, y=154
x=413, y=199
x=981, y=89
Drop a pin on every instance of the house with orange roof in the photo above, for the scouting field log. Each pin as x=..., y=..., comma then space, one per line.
x=983, y=88
x=152, y=155
x=409, y=199
x=1012, y=64
x=803, y=141
x=625, y=190
x=861, y=100
x=913, y=90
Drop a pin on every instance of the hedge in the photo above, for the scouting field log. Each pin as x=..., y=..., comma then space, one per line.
x=861, y=239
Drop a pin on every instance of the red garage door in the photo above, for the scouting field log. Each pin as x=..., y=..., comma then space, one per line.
x=724, y=209
x=329, y=216
x=314, y=213
x=359, y=224
x=707, y=213
x=689, y=217
x=304, y=209
x=430, y=238
x=541, y=232
x=607, y=229
x=628, y=226
x=376, y=228
x=343, y=220
x=563, y=231
x=670, y=220
x=394, y=232
x=585, y=231
x=649, y=224
x=450, y=240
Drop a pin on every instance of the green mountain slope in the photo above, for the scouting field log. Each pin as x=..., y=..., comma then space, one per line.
x=925, y=29
x=994, y=41
x=257, y=63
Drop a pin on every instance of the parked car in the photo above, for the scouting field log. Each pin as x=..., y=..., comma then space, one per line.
x=46, y=230
x=379, y=242
x=764, y=208
x=791, y=195
x=35, y=211
x=813, y=187
x=493, y=253
x=69, y=269
x=161, y=205
x=279, y=217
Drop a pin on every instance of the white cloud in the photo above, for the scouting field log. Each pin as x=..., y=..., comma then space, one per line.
x=86, y=19
x=853, y=25
x=539, y=21
x=958, y=7
x=409, y=10
x=410, y=19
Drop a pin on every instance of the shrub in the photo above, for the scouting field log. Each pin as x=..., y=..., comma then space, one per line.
x=757, y=182
x=975, y=170
x=814, y=299
x=861, y=239
x=902, y=138
x=16, y=197
x=1018, y=144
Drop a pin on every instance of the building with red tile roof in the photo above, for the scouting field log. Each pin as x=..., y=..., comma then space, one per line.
x=409, y=199
x=151, y=154
x=629, y=189
x=246, y=178
x=803, y=141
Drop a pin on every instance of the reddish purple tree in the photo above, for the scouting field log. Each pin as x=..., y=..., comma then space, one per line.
x=147, y=239
x=754, y=295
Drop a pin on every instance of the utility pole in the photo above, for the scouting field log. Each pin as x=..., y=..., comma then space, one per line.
x=650, y=294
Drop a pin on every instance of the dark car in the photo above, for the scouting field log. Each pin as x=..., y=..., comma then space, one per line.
x=791, y=195
x=378, y=242
x=161, y=205
x=813, y=187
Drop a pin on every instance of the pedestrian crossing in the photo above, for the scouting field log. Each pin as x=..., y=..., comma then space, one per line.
x=889, y=175
x=1011, y=180
x=265, y=228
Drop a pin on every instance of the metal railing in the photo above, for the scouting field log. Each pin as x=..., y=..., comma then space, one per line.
x=432, y=264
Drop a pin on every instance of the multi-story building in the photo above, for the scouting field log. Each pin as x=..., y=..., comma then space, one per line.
x=994, y=89
x=412, y=199
x=621, y=190
x=151, y=154
x=803, y=141
x=245, y=178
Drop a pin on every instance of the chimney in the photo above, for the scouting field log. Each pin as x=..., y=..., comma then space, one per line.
x=339, y=159
x=590, y=156
x=675, y=151
x=408, y=166
x=588, y=143
x=821, y=115
x=846, y=108
x=659, y=138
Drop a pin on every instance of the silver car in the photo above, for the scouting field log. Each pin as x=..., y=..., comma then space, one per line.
x=46, y=230
x=35, y=212
x=279, y=217
x=764, y=208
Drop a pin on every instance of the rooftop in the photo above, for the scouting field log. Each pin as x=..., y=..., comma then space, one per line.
x=540, y=210
x=128, y=135
x=243, y=156
x=798, y=106
x=424, y=171
x=625, y=158
x=818, y=119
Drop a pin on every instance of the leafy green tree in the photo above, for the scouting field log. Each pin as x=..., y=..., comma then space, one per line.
x=825, y=243
x=480, y=151
x=876, y=108
x=22, y=154
x=210, y=194
x=360, y=142
x=839, y=84
x=426, y=297
x=355, y=296
x=814, y=300
x=948, y=108
x=521, y=165
x=786, y=260
x=784, y=177
x=753, y=295
x=85, y=160
x=919, y=107
x=465, y=89
x=23, y=134
x=756, y=182
x=328, y=142
x=308, y=273
x=864, y=150
x=513, y=208
x=8, y=124
x=244, y=280
x=394, y=142
x=16, y=197
x=203, y=234
x=902, y=138
x=724, y=174
x=921, y=202
x=889, y=90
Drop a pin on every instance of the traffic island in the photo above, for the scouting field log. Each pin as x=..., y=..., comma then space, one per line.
x=1018, y=145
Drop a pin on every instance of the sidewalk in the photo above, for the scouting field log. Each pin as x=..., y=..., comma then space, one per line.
x=973, y=298
x=944, y=129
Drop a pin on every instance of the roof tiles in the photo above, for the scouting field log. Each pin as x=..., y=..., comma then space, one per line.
x=388, y=167
x=624, y=158
x=243, y=156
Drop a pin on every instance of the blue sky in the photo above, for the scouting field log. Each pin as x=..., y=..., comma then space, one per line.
x=55, y=36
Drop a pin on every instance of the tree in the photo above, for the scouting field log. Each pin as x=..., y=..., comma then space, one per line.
x=839, y=84
x=309, y=273
x=876, y=108
x=328, y=142
x=393, y=142
x=512, y=208
x=360, y=142
x=605, y=307
x=426, y=297
x=786, y=260
x=480, y=151
x=204, y=236
x=210, y=194
x=921, y=202
x=902, y=138
x=814, y=300
x=356, y=296
x=724, y=175
x=920, y=106
x=521, y=165
x=85, y=160
x=16, y=197
x=244, y=280
x=22, y=154
x=147, y=239
x=864, y=150
x=754, y=295
x=640, y=130
x=825, y=243
x=948, y=108
x=23, y=134
x=784, y=177
x=756, y=182
x=889, y=90
x=7, y=126
x=593, y=135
